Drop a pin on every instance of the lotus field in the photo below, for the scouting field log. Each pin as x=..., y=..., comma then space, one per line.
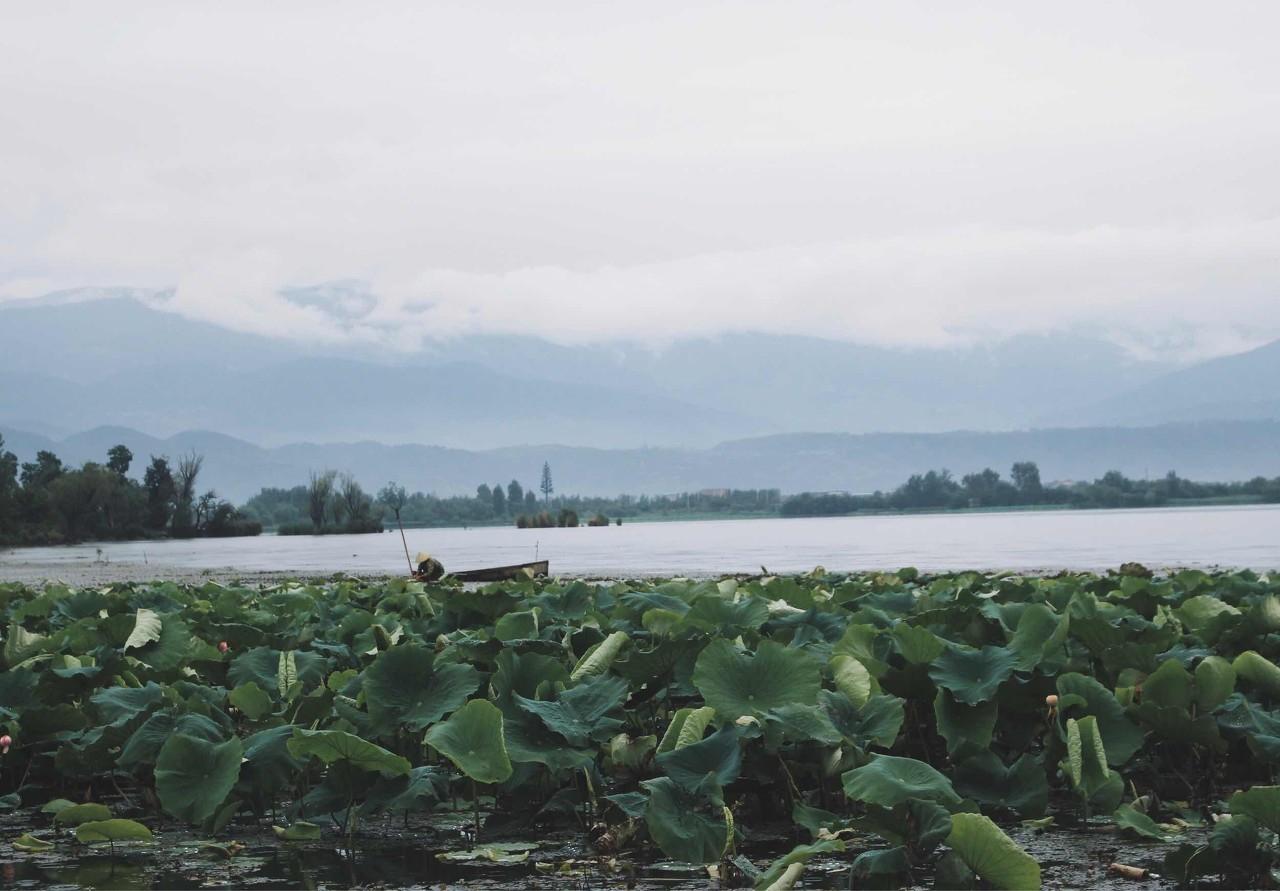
x=867, y=730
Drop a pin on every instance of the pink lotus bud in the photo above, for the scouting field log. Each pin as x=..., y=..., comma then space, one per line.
x=5, y=742
x=222, y=647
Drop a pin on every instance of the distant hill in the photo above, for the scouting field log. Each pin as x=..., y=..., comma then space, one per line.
x=1242, y=386
x=120, y=358
x=794, y=462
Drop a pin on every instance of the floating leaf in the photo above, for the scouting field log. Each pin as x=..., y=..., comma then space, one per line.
x=300, y=830
x=31, y=844
x=81, y=813
x=112, y=831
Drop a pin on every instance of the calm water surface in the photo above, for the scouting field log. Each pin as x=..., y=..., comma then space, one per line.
x=1210, y=536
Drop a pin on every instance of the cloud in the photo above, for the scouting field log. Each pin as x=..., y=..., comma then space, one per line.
x=887, y=173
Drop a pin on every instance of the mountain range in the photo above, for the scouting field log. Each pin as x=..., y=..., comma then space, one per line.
x=77, y=360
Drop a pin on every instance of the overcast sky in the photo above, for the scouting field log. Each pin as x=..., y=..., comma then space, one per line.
x=913, y=173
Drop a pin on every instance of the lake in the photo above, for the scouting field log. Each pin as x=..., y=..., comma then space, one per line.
x=1095, y=539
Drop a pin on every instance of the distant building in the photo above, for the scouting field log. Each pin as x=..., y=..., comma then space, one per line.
x=714, y=493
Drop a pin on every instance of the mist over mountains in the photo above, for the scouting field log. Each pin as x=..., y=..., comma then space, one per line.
x=740, y=410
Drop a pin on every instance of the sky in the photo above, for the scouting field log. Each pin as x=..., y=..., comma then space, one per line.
x=904, y=173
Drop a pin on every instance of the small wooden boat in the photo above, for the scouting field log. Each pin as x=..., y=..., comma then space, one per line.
x=504, y=573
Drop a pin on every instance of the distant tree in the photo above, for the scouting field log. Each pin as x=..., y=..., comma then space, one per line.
x=394, y=497
x=1026, y=478
x=499, y=501
x=515, y=494
x=184, y=477
x=484, y=494
x=8, y=492
x=44, y=470
x=119, y=459
x=547, y=487
x=319, y=490
x=531, y=501
x=204, y=508
x=161, y=492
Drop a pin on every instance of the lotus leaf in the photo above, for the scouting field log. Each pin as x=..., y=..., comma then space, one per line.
x=472, y=739
x=581, y=713
x=991, y=854
x=299, y=831
x=966, y=728
x=798, y=856
x=973, y=676
x=919, y=646
x=332, y=746
x=1258, y=671
x=1215, y=682
x=146, y=629
x=1122, y=737
x=1020, y=787
x=32, y=844
x=687, y=726
x=1040, y=633
x=1262, y=803
x=404, y=686
x=194, y=776
x=112, y=831
x=852, y=679
x=251, y=700
x=876, y=723
x=718, y=758
x=81, y=813
x=1135, y=821
x=737, y=684
x=597, y=661
x=888, y=780
x=686, y=827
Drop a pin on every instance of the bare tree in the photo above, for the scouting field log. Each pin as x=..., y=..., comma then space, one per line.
x=319, y=490
x=185, y=476
x=356, y=503
x=394, y=497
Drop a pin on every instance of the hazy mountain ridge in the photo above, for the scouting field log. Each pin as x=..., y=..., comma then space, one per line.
x=791, y=462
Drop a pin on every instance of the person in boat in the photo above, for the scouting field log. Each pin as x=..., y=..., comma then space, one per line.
x=429, y=568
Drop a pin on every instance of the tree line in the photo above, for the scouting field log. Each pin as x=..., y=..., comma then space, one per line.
x=939, y=490
x=46, y=502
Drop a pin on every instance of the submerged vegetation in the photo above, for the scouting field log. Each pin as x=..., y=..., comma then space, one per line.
x=44, y=502
x=887, y=728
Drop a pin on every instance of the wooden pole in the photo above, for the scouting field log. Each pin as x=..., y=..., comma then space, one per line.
x=404, y=542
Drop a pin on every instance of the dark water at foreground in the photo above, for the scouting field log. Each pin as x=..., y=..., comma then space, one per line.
x=1063, y=539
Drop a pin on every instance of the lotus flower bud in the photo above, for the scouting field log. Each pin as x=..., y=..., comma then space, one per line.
x=5, y=742
x=1051, y=700
x=222, y=647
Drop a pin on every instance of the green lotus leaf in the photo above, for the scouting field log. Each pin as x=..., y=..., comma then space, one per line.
x=991, y=854
x=876, y=723
x=120, y=705
x=738, y=683
x=581, y=714
x=1120, y=735
x=82, y=813
x=717, y=758
x=966, y=728
x=529, y=741
x=146, y=628
x=21, y=644
x=1215, y=682
x=32, y=844
x=299, y=831
x=144, y=745
x=56, y=806
x=1086, y=762
x=852, y=679
x=1206, y=616
x=918, y=645
x=1126, y=818
x=797, y=856
x=727, y=618
x=332, y=746
x=262, y=666
x=404, y=686
x=252, y=701
x=888, y=780
x=1258, y=671
x=112, y=831
x=867, y=645
x=1040, y=633
x=519, y=625
x=881, y=868
x=686, y=827
x=524, y=673
x=472, y=739
x=798, y=724
x=687, y=726
x=1169, y=686
x=418, y=790
x=1262, y=803
x=973, y=676
x=268, y=763
x=1021, y=787
x=598, y=660
x=631, y=754
x=194, y=776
